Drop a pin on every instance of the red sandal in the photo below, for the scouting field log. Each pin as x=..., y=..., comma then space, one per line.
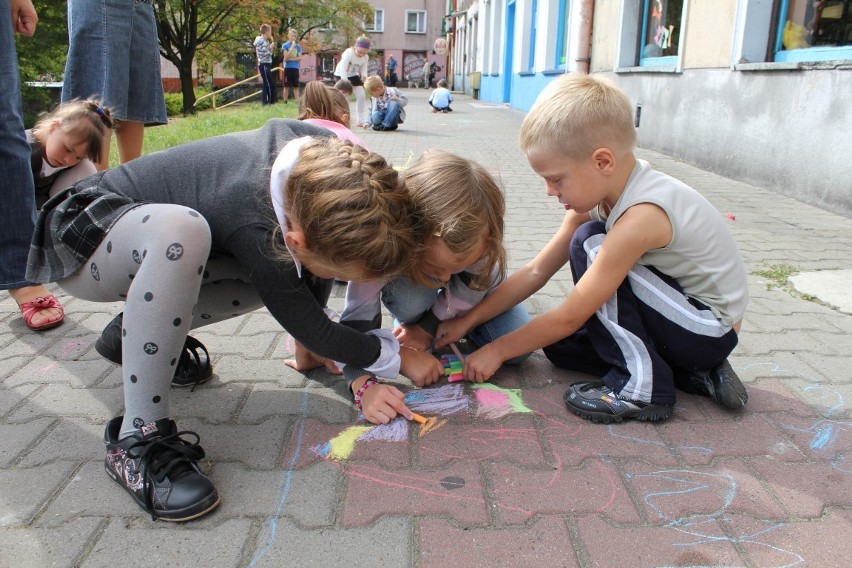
x=29, y=309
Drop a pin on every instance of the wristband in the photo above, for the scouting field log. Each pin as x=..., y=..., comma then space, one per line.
x=367, y=384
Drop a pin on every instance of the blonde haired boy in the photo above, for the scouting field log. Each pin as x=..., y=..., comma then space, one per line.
x=387, y=110
x=659, y=285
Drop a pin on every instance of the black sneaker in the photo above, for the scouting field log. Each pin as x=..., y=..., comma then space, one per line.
x=721, y=384
x=160, y=470
x=595, y=401
x=378, y=127
x=193, y=368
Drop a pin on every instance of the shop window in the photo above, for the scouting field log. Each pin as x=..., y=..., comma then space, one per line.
x=813, y=30
x=660, y=32
x=415, y=22
x=376, y=23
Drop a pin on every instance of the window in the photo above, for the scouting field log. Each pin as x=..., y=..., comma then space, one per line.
x=377, y=24
x=415, y=22
x=660, y=32
x=561, y=34
x=813, y=30
x=534, y=21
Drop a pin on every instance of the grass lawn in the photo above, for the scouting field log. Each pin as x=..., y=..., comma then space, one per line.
x=208, y=123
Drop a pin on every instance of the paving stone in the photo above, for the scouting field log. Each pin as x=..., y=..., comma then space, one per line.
x=213, y=402
x=806, y=489
x=256, y=446
x=544, y=543
x=43, y=369
x=747, y=435
x=237, y=368
x=23, y=492
x=594, y=487
x=700, y=543
x=61, y=400
x=822, y=542
x=168, y=544
x=456, y=491
x=69, y=439
x=772, y=395
x=268, y=400
x=10, y=397
x=15, y=438
x=40, y=548
x=677, y=496
x=387, y=543
x=305, y=496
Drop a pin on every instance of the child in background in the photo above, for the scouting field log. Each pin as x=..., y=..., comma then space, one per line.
x=344, y=87
x=292, y=53
x=353, y=67
x=441, y=98
x=660, y=287
x=388, y=104
x=263, y=47
x=66, y=144
x=205, y=234
x=328, y=108
x=461, y=212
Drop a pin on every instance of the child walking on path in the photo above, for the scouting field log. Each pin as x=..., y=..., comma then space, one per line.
x=660, y=287
x=200, y=233
x=263, y=47
x=353, y=67
x=441, y=98
x=66, y=144
x=388, y=104
x=461, y=209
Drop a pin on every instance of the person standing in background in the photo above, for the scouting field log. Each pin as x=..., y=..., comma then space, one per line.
x=292, y=53
x=353, y=67
x=41, y=310
x=391, y=71
x=263, y=46
x=113, y=54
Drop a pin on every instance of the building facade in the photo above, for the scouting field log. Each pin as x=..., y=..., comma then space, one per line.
x=757, y=90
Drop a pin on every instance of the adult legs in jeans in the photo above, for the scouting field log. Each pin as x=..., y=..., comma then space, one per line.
x=18, y=216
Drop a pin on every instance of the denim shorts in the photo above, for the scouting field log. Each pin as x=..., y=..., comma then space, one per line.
x=113, y=54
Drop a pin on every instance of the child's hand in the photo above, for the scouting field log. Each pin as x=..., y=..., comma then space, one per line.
x=450, y=331
x=381, y=403
x=413, y=336
x=481, y=365
x=306, y=360
x=422, y=368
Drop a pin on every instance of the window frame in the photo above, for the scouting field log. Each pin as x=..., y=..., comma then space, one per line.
x=419, y=13
x=806, y=54
x=376, y=19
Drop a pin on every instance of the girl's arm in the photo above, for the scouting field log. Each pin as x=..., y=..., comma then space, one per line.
x=297, y=307
x=519, y=286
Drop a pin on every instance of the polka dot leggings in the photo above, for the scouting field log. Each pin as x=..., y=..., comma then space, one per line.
x=154, y=258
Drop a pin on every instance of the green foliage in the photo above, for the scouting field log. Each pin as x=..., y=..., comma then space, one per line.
x=174, y=102
x=42, y=58
x=777, y=275
x=206, y=124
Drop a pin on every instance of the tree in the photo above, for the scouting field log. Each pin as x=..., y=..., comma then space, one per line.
x=42, y=57
x=340, y=21
x=187, y=26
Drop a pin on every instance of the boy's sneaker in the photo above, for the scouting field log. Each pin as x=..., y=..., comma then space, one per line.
x=378, y=127
x=160, y=470
x=595, y=401
x=721, y=384
x=192, y=369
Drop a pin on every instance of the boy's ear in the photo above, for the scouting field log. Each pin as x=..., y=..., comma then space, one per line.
x=604, y=160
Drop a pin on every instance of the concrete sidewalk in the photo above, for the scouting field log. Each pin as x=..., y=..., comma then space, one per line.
x=512, y=480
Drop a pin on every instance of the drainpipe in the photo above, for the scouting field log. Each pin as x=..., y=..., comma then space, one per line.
x=584, y=36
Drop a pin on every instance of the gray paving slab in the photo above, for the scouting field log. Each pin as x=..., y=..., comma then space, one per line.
x=766, y=487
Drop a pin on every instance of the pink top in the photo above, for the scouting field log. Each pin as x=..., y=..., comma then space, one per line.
x=339, y=130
